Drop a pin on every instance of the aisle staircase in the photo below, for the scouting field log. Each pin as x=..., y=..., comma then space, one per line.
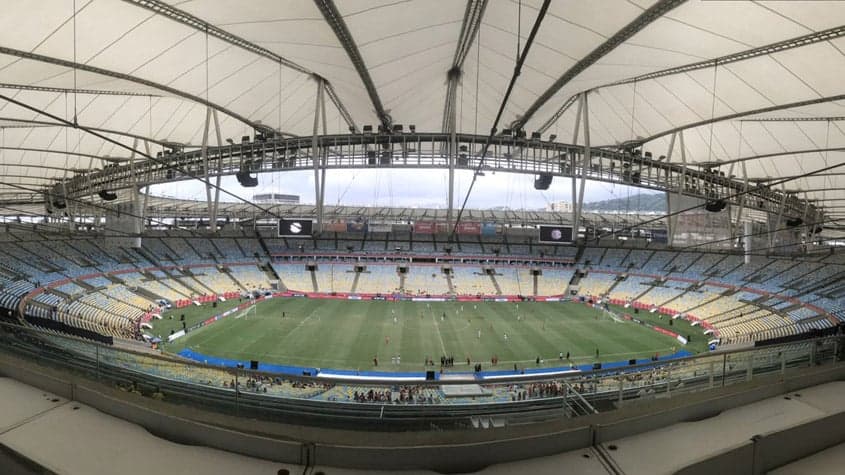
x=495, y=284
x=355, y=282
x=314, y=281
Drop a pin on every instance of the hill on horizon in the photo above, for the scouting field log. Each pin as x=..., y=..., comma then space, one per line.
x=644, y=202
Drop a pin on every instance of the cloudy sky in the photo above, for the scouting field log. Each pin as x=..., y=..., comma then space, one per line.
x=406, y=188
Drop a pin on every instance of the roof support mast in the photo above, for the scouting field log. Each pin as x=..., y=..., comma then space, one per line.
x=585, y=166
x=316, y=154
x=572, y=159
x=469, y=31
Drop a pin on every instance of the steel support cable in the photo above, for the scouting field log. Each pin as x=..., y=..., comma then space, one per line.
x=164, y=163
x=728, y=197
x=517, y=69
x=759, y=233
x=102, y=207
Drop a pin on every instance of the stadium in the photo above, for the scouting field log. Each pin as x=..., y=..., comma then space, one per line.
x=422, y=236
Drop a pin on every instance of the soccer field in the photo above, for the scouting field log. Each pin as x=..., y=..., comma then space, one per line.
x=343, y=334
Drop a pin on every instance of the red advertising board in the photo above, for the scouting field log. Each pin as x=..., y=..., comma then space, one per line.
x=468, y=227
x=336, y=227
x=665, y=332
x=425, y=227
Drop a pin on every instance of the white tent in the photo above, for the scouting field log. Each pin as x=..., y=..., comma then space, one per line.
x=755, y=86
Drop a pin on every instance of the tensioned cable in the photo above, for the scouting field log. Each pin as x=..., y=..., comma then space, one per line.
x=164, y=163
x=74, y=64
x=712, y=114
x=102, y=207
x=516, y=72
x=735, y=195
x=759, y=233
x=477, y=73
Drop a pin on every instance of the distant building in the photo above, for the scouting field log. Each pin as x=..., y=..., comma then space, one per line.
x=276, y=199
x=560, y=206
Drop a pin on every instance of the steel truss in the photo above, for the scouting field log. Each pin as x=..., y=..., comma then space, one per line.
x=430, y=151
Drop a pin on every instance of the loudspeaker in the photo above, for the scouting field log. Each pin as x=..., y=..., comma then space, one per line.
x=214, y=304
x=106, y=195
x=246, y=180
x=542, y=181
x=636, y=310
x=714, y=206
x=429, y=375
x=596, y=365
x=253, y=364
x=632, y=362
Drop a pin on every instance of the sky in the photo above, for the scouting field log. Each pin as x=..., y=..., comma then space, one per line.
x=406, y=188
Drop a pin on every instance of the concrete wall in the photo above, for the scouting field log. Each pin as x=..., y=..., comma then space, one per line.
x=766, y=452
x=452, y=451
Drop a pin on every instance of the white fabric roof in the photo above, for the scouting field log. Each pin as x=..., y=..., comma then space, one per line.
x=407, y=47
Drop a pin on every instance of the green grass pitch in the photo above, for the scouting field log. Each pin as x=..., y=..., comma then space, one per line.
x=345, y=334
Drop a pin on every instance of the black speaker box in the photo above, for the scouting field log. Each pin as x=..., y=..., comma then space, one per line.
x=542, y=182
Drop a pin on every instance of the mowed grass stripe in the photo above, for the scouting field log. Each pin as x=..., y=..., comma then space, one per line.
x=347, y=334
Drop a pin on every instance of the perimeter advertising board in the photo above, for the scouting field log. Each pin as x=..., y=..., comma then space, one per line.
x=425, y=227
x=551, y=234
x=293, y=227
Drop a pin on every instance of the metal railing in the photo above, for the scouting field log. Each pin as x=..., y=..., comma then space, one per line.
x=391, y=405
x=425, y=150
